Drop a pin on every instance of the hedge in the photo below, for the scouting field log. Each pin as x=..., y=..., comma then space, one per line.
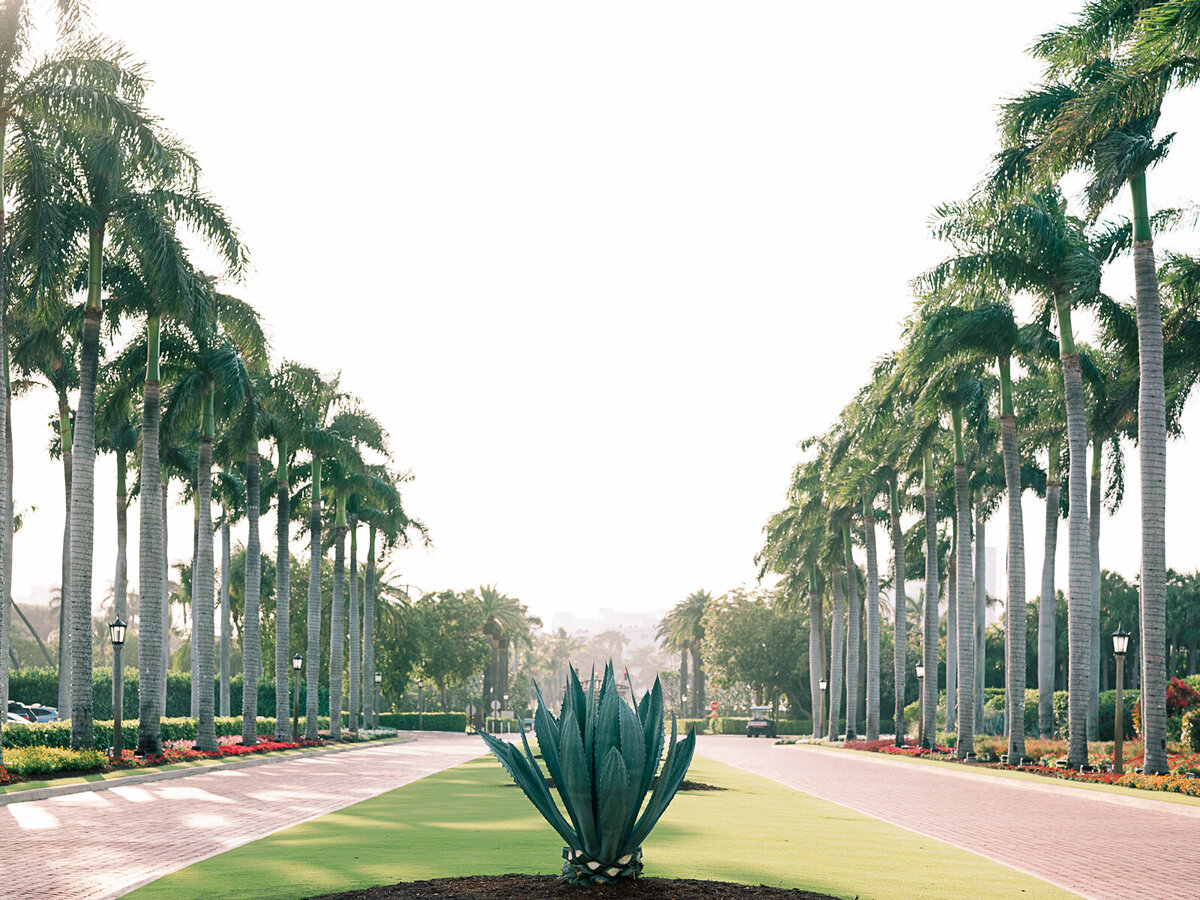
x=430, y=721
x=32, y=761
x=41, y=686
x=58, y=734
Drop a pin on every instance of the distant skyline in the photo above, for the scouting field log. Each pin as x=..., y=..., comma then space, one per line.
x=598, y=269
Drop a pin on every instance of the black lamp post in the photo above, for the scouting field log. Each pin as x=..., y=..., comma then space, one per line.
x=420, y=704
x=920, y=704
x=116, y=631
x=378, y=682
x=1120, y=639
x=824, y=683
x=297, y=662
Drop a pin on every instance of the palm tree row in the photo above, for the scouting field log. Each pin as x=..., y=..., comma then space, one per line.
x=101, y=296
x=922, y=435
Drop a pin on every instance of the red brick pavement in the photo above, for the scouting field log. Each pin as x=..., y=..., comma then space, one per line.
x=1097, y=844
x=105, y=843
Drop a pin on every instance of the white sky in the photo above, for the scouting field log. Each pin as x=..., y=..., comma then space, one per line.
x=598, y=267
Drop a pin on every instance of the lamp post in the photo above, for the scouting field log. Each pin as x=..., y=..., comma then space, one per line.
x=420, y=704
x=297, y=662
x=378, y=682
x=920, y=704
x=116, y=631
x=1120, y=639
x=824, y=683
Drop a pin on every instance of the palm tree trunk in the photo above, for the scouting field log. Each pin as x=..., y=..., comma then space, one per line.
x=929, y=636
x=6, y=519
x=252, y=631
x=121, y=576
x=355, y=630
x=315, y=555
x=837, y=643
x=368, y=672
x=872, y=624
x=952, y=631
x=164, y=667
x=337, y=637
x=1014, y=607
x=192, y=651
x=900, y=654
x=697, y=680
x=9, y=463
x=966, y=615
x=152, y=585
x=1079, y=564
x=64, y=591
x=83, y=511
x=980, y=611
x=283, y=599
x=226, y=619
x=814, y=653
x=853, y=637
x=683, y=680
x=202, y=594
x=1047, y=639
x=1093, y=720
x=1152, y=454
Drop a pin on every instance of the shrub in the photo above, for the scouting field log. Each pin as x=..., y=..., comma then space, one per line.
x=1189, y=733
x=430, y=721
x=58, y=734
x=33, y=761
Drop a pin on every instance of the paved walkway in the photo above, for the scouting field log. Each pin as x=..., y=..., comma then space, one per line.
x=1094, y=843
x=105, y=843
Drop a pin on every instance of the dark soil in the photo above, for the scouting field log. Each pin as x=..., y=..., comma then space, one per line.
x=683, y=786
x=547, y=887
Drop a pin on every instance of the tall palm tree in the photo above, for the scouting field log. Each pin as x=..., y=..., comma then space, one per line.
x=505, y=621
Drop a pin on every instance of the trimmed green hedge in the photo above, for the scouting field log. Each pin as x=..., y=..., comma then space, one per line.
x=430, y=721
x=41, y=686
x=33, y=761
x=58, y=734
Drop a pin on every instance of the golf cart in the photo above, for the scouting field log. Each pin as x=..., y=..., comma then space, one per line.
x=762, y=722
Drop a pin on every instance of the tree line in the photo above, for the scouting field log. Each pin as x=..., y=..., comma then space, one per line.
x=980, y=404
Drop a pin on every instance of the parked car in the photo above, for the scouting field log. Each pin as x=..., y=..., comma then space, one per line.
x=44, y=713
x=24, y=712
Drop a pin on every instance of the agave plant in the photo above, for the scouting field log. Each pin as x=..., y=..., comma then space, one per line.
x=602, y=755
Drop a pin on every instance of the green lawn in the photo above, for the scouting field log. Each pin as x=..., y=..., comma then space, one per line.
x=472, y=820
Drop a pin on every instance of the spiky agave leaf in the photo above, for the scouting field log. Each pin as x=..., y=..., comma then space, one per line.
x=528, y=777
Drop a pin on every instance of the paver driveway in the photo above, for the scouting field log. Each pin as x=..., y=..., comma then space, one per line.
x=107, y=842
x=1097, y=844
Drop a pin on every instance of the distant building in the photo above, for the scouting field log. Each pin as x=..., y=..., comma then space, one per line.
x=639, y=627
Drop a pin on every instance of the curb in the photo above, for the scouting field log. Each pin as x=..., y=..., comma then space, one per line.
x=63, y=790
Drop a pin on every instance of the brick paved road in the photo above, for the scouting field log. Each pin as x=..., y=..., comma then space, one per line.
x=1097, y=844
x=105, y=843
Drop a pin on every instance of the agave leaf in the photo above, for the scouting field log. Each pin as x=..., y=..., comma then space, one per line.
x=633, y=752
x=608, y=726
x=576, y=789
x=529, y=779
x=589, y=728
x=548, y=730
x=679, y=757
x=652, y=722
x=573, y=698
x=615, y=800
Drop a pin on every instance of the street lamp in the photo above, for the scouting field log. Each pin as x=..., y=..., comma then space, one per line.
x=920, y=704
x=116, y=631
x=420, y=704
x=1120, y=639
x=297, y=662
x=378, y=682
x=824, y=683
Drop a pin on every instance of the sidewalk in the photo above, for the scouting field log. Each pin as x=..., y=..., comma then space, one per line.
x=1097, y=844
x=103, y=843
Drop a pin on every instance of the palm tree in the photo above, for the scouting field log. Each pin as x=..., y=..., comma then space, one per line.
x=685, y=625
x=505, y=622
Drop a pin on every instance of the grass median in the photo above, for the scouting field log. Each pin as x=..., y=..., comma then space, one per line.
x=471, y=820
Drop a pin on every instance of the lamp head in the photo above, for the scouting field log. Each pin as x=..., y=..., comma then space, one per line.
x=297, y=662
x=379, y=678
x=920, y=670
x=116, y=631
x=1120, y=639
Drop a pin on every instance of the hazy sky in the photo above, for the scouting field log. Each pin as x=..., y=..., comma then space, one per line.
x=597, y=267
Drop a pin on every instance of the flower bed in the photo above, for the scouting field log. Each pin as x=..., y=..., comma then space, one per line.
x=26, y=763
x=1184, y=777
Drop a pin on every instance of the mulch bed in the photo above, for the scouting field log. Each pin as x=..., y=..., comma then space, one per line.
x=547, y=887
x=683, y=785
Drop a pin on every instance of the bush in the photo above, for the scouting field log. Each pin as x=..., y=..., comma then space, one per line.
x=40, y=685
x=58, y=734
x=1189, y=734
x=32, y=761
x=430, y=721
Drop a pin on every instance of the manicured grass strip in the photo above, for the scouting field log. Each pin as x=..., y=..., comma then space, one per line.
x=1122, y=790
x=471, y=820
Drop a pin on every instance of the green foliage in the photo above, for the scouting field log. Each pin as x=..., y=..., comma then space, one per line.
x=602, y=754
x=430, y=721
x=33, y=761
x=41, y=686
x=1189, y=734
x=58, y=734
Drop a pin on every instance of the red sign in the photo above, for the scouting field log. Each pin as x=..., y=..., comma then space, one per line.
x=714, y=706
